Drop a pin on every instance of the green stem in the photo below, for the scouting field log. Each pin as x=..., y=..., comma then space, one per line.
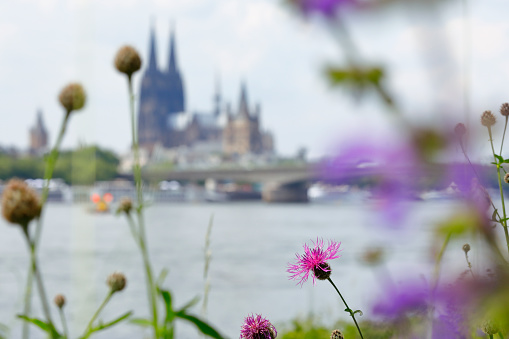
x=503, y=135
x=348, y=309
x=439, y=258
x=469, y=265
x=96, y=314
x=504, y=222
x=27, y=301
x=132, y=227
x=491, y=336
x=151, y=290
x=38, y=278
x=64, y=322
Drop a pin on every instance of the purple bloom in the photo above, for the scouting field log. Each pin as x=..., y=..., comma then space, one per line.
x=401, y=300
x=325, y=7
x=314, y=260
x=257, y=327
x=394, y=167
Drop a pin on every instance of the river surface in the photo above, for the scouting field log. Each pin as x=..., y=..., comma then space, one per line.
x=251, y=245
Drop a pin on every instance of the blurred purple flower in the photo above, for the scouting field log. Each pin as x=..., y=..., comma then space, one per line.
x=395, y=166
x=257, y=327
x=325, y=7
x=402, y=300
x=313, y=259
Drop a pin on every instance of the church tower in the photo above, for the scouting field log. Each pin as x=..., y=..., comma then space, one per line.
x=161, y=95
x=38, y=136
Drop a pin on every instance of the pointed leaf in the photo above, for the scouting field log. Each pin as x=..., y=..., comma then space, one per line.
x=201, y=325
x=46, y=327
x=170, y=314
x=141, y=322
x=191, y=303
x=162, y=276
x=111, y=323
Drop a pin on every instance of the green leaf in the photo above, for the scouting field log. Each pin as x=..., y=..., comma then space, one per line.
x=201, y=325
x=191, y=303
x=360, y=313
x=101, y=326
x=499, y=158
x=162, y=276
x=46, y=327
x=141, y=322
x=170, y=314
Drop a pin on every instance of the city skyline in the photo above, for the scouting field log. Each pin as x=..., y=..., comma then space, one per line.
x=46, y=44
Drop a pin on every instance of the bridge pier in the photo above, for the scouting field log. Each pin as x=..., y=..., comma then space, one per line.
x=294, y=192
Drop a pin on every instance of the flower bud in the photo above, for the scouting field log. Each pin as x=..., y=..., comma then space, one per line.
x=488, y=119
x=466, y=248
x=127, y=60
x=322, y=271
x=506, y=178
x=504, y=109
x=116, y=281
x=20, y=203
x=72, y=97
x=373, y=256
x=460, y=130
x=336, y=334
x=59, y=300
x=125, y=206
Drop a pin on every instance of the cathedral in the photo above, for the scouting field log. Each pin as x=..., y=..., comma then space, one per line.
x=38, y=136
x=164, y=121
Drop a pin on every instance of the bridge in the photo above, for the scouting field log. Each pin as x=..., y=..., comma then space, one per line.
x=279, y=183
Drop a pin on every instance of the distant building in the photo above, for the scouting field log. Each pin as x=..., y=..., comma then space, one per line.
x=38, y=136
x=164, y=121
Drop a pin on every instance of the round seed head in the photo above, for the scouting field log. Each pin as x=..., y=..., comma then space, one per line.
x=322, y=271
x=466, y=248
x=127, y=60
x=72, y=97
x=59, y=300
x=489, y=327
x=336, y=334
x=488, y=119
x=506, y=178
x=373, y=256
x=116, y=281
x=20, y=203
x=125, y=206
x=504, y=109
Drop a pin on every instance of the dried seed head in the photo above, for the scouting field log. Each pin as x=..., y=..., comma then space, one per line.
x=116, y=281
x=504, y=109
x=125, y=206
x=506, y=178
x=489, y=327
x=373, y=256
x=336, y=334
x=322, y=271
x=20, y=203
x=72, y=97
x=127, y=60
x=488, y=119
x=466, y=248
x=59, y=300
x=460, y=130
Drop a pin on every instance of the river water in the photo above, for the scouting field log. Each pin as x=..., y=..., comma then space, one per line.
x=251, y=245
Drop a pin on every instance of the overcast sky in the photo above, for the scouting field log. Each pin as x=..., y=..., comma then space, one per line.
x=45, y=44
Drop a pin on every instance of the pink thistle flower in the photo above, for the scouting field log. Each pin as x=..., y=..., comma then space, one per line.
x=257, y=327
x=314, y=260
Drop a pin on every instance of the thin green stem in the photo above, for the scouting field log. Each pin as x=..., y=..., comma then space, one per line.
x=64, y=322
x=348, y=309
x=27, y=301
x=132, y=227
x=491, y=336
x=469, y=265
x=96, y=314
x=440, y=256
x=151, y=289
x=38, y=277
x=504, y=221
x=503, y=136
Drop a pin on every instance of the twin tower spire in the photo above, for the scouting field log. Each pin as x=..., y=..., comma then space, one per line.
x=172, y=59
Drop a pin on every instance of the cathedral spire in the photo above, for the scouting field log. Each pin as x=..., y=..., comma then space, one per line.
x=152, y=64
x=172, y=60
x=243, y=106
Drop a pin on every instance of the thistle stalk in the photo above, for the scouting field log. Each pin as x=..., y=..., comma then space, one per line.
x=151, y=290
x=96, y=314
x=348, y=309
